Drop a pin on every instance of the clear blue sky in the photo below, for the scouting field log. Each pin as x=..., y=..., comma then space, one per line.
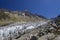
x=47, y=8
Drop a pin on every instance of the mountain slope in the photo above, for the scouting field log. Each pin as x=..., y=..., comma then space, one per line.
x=7, y=17
x=17, y=30
x=16, y=25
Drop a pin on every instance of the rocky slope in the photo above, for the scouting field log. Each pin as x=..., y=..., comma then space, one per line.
x=47, y=31
x=7, y=17
x=15, y=25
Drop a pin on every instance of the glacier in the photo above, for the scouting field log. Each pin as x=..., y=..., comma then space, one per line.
x=17, y=29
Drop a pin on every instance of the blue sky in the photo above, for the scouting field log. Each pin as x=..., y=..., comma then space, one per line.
x=47, y=8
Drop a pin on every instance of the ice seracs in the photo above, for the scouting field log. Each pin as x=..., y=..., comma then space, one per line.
x=15, y=30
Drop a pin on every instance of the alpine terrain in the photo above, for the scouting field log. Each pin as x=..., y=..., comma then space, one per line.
x=24, y=25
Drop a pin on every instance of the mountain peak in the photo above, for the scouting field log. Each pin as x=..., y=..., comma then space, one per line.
x=58, y=15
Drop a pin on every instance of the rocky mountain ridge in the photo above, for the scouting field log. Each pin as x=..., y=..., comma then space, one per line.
x=7, y=17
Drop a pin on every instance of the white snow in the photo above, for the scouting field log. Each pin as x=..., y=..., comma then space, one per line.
x=30, y=27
